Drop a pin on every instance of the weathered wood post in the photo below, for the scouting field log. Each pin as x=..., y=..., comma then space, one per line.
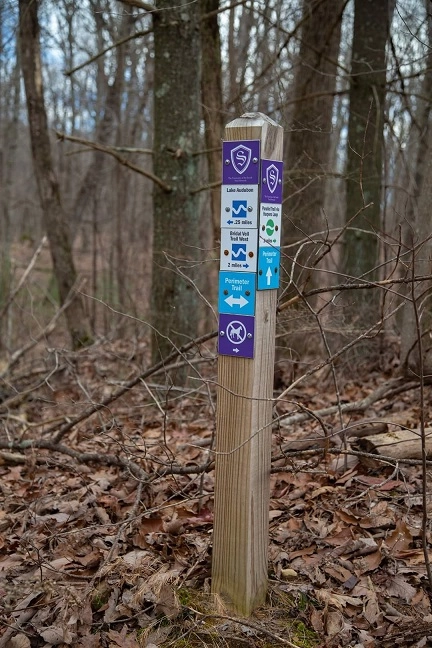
x=251, y=215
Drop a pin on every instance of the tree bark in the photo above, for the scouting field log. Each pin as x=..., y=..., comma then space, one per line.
x=211, y=92
x=365, y=151
x=309, y=141
x=54, y=219
x=174, y=298
x=417, y=320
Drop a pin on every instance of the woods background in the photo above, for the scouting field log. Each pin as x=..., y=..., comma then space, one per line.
x=136, y=98
x=111, y=120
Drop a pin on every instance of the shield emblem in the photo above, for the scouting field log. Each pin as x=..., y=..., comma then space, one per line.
x=240, y=158
x=272, y=177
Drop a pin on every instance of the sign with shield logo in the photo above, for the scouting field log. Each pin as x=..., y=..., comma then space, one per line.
x=241, y=162
x=271, y=181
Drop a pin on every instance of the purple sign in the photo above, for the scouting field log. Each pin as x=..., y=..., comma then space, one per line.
x=241, y=162
x=236, y=335
x=271, y=181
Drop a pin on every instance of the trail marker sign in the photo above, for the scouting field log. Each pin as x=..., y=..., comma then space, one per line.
x=241, y=162
x=237, y=293
x=239, y=249
x=239, y=206
x=236, y=335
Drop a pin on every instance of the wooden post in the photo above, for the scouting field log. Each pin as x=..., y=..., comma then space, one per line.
x=244, y=423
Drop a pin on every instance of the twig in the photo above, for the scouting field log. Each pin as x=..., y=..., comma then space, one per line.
x=128, y=386
x=365, y=335
x=366, y=285
x=388, y=388
x=122, y=41
x=422, y=431
x=109, y=151
x=44, y=333
x=245, y=622
x=26, y=273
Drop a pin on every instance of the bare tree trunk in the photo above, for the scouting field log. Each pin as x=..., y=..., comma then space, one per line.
x=309, y=142
x=54, y=218
x=211, y=92
x=365, y=151
x=417, y=318
x=174, y=299
x=9, y=117
x=107, y=128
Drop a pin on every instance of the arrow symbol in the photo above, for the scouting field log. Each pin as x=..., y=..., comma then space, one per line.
x=239, y=301
x=230, y=222
x=236, y=350
x=245, y=265
x=269, y=276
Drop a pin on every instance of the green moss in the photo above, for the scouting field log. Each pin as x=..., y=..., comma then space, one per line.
x=302, y=636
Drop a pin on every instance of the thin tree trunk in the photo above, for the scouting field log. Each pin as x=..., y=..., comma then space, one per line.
x=211, y=92
x=54, y=219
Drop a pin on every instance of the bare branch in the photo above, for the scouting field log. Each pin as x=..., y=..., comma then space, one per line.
x=110, y=151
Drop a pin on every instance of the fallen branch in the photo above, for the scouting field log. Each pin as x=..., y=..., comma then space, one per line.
x=398, y=444
x=386, y=390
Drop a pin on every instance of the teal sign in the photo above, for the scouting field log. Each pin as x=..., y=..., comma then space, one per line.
x=268, y=268
x=237, y=293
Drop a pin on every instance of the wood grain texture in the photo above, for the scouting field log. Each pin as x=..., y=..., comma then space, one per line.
x=244, y=422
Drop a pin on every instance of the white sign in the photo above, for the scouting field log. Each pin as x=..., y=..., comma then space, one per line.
x=270, y=225
x=239, y=206
x=239, y=249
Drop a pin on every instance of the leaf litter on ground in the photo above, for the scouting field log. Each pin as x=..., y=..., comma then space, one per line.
x=91, y=556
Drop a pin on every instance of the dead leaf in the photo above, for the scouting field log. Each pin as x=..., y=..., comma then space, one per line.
x=122, y=639
x=55, y=635
x=399, y=587
x=337, y=600
x=19, y=641
x=372, y=610
x=400, y=539
x=334, y=623
x=369, y=562
x=167, y=602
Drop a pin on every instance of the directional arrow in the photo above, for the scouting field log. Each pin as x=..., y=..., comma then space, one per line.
x=245, y=265
x=236, y=350
x=269, y=276
x=236, y=301
x=230, y=222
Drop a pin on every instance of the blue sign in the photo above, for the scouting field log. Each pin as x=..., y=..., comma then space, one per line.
x=241, y=162
x=237, y=293
x=236, y=335
x=268, y=268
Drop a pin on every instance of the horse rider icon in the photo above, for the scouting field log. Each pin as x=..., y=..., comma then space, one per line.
x=236, y=332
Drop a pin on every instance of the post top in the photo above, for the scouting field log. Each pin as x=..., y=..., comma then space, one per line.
x=252, y=119
x=256, y=125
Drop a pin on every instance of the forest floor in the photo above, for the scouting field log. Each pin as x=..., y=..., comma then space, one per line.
x=106, y=517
